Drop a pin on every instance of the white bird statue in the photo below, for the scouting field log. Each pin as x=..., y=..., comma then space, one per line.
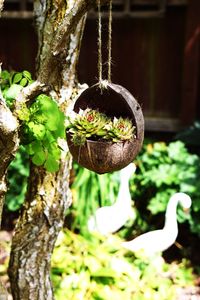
x=109, y=219
x=153, y=242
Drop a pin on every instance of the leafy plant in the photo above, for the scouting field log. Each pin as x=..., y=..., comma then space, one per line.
x=90, y=191
x=163, y=170
x=96, y=125
x=101, y=269
x=12, y=82
x=43, y=124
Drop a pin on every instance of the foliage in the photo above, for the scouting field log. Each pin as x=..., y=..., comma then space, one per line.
x=91, y=191
x=96, y=125
x=42, y=127
x=100, y=269
x=163, y=170
x=12, y=82
x=18, y=173
x=43, y=124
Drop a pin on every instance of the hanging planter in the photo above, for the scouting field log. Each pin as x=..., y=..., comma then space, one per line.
x=102, y=154
x=118, y=125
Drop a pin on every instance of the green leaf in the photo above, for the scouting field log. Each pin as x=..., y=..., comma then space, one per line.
x=24, y=113
x=54, y=150
x=49, y=138
x=36, y=146
x=60, y=128
x=51, y=164
x=39, y=158
x=105, y=272
x=23, y=82
x=27, y=75
x=17, y=77
x=5, y=75
x=29, y=149
x=37, y=129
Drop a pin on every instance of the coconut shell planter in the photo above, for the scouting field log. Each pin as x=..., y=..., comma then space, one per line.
x=103, y=156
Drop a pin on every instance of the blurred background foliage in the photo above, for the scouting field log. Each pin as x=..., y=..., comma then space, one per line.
x=85, y=266
x=100, y=269
x=162, y=169
x=18, y=173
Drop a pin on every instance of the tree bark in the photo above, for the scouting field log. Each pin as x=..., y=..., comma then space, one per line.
x=36, y=232
x=8, y=147
x=9, y=143
x=1, y=6
x=60, y=26
x=48, y=194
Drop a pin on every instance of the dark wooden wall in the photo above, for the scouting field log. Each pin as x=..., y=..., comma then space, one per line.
x=18, y=44
x=147, y=60
x=156, y=58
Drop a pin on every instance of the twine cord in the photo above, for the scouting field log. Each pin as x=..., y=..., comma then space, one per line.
x=99, y=42
x=109, y=46
x=109, y=41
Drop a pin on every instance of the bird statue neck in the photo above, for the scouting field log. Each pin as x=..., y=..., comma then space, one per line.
x=124, y=197
x=170, y=215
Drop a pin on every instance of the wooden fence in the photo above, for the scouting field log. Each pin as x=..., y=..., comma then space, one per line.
x=155, y=54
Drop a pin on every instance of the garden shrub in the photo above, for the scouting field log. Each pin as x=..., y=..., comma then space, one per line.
x=100, y=269
x=163, y=170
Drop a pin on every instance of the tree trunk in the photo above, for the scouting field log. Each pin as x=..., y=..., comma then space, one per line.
x=48, y=194
x=9, y=143
x=36, y=233
x=60, y=26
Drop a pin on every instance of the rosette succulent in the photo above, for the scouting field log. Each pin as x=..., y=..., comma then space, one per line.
x=120, y=130
x=95, y=125
x=87, y=123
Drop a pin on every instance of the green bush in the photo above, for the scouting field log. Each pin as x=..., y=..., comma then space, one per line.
x=100, y=269
x=90, y=191
x=163, y=170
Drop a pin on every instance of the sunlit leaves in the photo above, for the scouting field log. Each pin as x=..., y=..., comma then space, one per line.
x=164, y=169
x=42, y=130
x=100, y=269
x=42, y=122
x=12, y=82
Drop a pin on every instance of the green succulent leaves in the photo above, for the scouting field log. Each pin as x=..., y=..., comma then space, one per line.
x=97, y=126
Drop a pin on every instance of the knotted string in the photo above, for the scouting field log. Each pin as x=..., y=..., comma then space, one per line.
x=109, y=46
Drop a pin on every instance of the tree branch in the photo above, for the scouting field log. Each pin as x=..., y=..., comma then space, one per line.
x=59, y=40
x=70, y=22
x=1, y=6
x=27, y=94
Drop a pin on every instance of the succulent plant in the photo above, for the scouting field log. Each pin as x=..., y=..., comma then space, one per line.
x=93, y=124
x=121, y=130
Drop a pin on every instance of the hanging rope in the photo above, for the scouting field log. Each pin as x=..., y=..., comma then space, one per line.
x=109, y=40
x=109, y=46
x=99, y=42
